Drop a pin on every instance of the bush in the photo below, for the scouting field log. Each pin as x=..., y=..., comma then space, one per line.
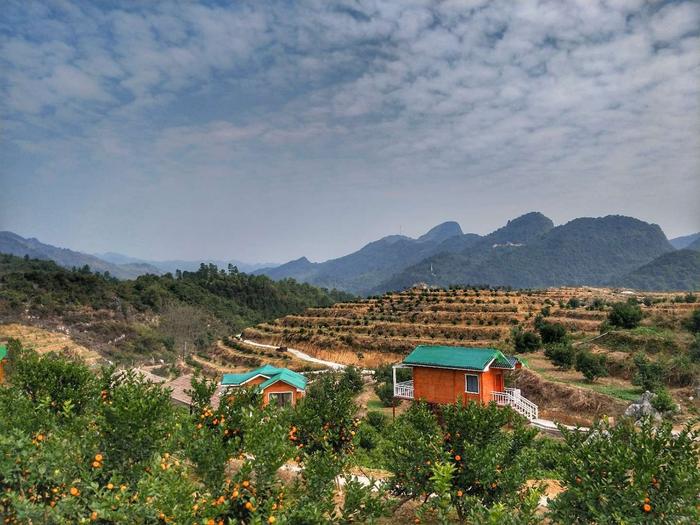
x=621, y=473
x=525, y=341
x=352, y=380
x=376, y=420
x=649, y=375
x=663, y=402
x=592, y=366
x=385, y=392
x=552, y=332
x=562, y=355
x=694, y=350
x=693, y=323
x=625, y=315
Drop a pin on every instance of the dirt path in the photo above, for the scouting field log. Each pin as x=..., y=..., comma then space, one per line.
x=298, y=354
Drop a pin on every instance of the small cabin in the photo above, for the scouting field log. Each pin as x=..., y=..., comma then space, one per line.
x=3, y=356
x=448, y=374
x=279, y=386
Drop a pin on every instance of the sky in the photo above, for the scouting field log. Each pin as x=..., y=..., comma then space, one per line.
x=264, y=131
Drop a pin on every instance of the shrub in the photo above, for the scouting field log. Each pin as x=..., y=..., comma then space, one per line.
x=649, y=374
x=625, y=315
x=413, y=445
x=592, y=366
x=693, y=323
x=561, y=355
x=352, y=379
x=663, y=402
x=552, y=332
x=376, y=420
x=621, y=473
x=385, y=392
x=694, y=350
x=525, y=341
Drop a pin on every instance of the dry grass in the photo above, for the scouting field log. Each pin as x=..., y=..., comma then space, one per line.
x=44, y=341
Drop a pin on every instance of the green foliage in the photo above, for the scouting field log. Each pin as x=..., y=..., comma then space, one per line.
x=135, y=419
x=412, y=446
x=325, y=417
x=52, y=380
x=385, y=392
x=663, y=402
x=592, y=366
x=612, y=469
x=694, y=350
x=649, y=375
x=562, y=354
x=625, y=315
x=552, y=332
x=220, y=302
x=525, y=341
x=352, y=379
x=693, y=323
x=376, y=420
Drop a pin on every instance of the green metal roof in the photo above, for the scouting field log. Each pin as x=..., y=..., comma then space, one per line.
x=273, y=374
x=3, y=352
x=459, y=357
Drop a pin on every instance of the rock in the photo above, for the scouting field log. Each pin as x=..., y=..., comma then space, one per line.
x=643, y=408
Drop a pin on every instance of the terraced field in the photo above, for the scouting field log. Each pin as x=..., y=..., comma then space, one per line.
x=391, y=325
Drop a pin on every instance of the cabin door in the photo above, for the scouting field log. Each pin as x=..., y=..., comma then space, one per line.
x=498, y=382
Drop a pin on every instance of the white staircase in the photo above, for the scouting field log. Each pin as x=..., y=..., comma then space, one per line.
x=512, y=398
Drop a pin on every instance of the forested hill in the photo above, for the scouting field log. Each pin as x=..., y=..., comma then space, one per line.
x=209, y=303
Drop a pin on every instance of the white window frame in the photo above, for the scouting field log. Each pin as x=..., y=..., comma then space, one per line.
x=466, y=384
x=291, y=397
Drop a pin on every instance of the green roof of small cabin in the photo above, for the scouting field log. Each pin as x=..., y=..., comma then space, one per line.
x=459, y=357
x=3, y=352
x=272, y=375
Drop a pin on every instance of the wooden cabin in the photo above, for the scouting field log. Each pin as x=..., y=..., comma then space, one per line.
x=448, y=374
x=3, y=357
x=279, y=386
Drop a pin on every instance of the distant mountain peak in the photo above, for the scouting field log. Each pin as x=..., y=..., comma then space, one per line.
x=522, y=229
x=442, y=232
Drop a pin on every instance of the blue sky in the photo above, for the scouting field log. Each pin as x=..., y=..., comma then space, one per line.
x=270, y=130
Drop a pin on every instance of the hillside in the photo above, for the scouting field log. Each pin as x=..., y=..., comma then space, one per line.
x=680, y=243
x=151, y=315
x=366, y=268
x=695, y=245
x=678, y=270
x=384, y=329
x=586, y=251
x=14, y=244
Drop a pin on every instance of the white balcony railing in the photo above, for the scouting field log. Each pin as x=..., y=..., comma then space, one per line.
x=512, y=398
x=404, y=390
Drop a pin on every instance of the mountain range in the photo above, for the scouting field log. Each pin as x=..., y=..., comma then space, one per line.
x=528, y=252
x=118, y=265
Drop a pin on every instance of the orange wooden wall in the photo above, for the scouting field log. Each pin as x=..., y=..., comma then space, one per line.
x=282, y=387
x=439, y=385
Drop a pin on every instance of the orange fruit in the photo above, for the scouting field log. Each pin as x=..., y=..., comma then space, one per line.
x=647, y=507
x=459, y=493
x=249, y=505
x=74, y=491
x=458, y=458
x=110, y=486
x=98, y=457
x=246, y=483
x=271, y=519
x=93, y=516
x=95, y=464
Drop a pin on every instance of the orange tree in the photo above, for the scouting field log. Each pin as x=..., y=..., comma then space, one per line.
x=630, y=474
x=412, y=446
x=325, y=418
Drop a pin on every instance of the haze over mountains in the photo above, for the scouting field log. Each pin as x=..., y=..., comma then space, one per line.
x=118, y=265
x=529, y=251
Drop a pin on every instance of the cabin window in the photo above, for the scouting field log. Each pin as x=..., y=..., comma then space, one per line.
x=280, y=399
x=471, y=384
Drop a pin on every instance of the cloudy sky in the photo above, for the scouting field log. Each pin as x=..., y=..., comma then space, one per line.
x=268, y=130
